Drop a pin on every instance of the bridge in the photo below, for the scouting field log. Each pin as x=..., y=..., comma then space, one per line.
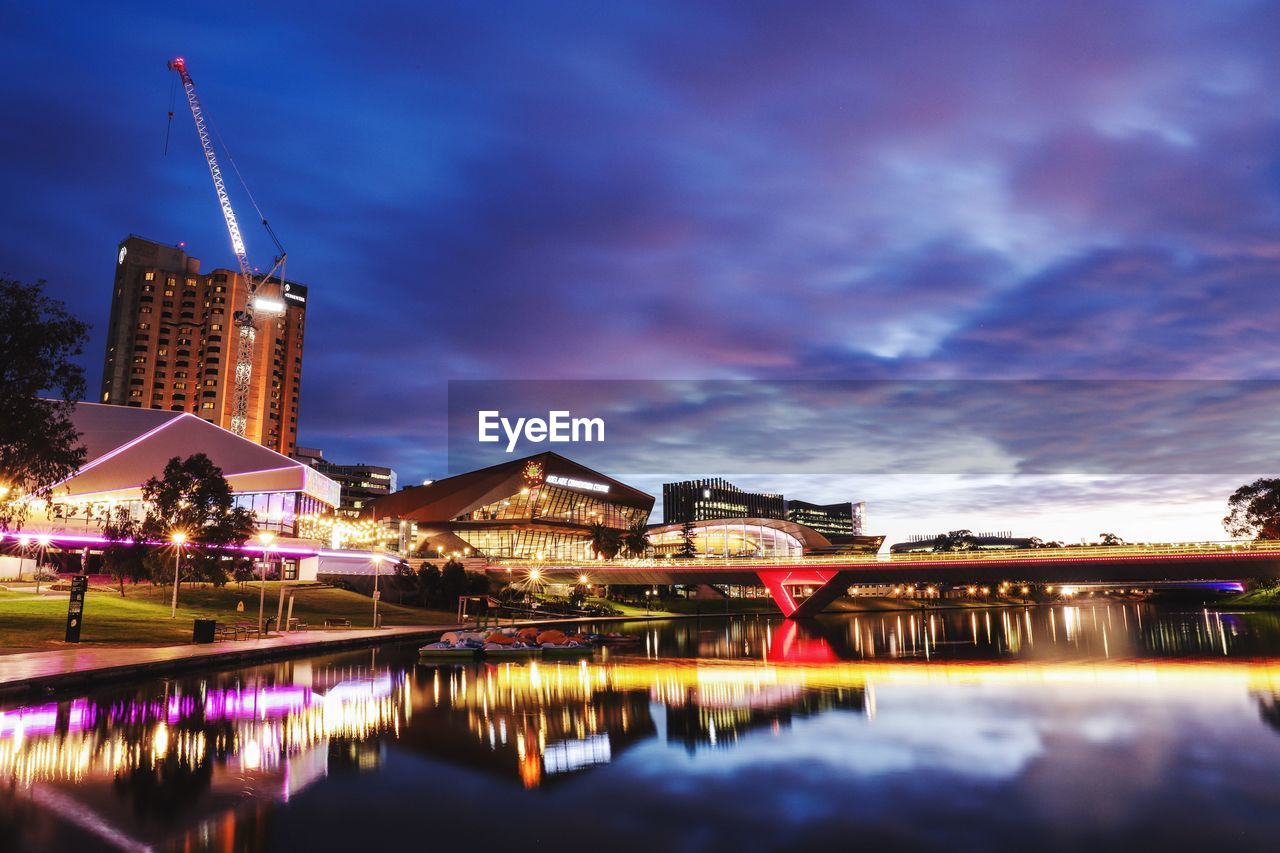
x=804, y=586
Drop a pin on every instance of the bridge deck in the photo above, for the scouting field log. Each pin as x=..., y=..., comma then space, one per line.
x=827, y=576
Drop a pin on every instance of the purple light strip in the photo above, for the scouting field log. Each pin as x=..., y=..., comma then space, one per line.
x=101, y=540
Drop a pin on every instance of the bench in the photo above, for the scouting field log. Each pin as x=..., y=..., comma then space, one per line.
x=337, y=623
x=233, y=632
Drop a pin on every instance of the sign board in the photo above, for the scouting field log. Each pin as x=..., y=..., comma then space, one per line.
x=75, y=607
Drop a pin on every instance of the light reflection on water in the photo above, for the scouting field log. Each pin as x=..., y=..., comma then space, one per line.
x=1092, y=723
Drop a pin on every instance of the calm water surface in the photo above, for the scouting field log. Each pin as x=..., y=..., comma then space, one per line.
x=1111, y=726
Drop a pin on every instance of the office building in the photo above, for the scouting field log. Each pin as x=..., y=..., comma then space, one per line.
x=707, y=500
x=841, y=519
x=172, y=342
x=361, y=483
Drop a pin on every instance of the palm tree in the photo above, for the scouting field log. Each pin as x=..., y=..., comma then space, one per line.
x=636, y=540
x=605, y=540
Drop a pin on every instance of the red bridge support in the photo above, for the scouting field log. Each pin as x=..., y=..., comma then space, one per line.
x=829, y=584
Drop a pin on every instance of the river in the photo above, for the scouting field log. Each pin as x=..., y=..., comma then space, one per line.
x=1099, y=726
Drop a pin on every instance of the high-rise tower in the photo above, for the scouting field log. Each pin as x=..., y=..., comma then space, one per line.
x=171, y=342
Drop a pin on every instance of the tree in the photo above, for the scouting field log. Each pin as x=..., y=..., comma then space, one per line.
x=193, y=497
x=955, y=540
x=125, y=554
x=605, y=540
x=453, y=583
x=635, y=541
x=39, y=445
x=1254, y=510
x=688, y=546
x=1109, y=539
x=420, y=585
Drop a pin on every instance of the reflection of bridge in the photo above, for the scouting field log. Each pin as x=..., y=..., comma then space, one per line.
x=804, y=586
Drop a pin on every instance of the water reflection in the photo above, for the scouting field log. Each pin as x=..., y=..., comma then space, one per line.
x=213, y=760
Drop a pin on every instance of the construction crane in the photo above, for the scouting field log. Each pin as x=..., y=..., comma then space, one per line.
x=255, y=307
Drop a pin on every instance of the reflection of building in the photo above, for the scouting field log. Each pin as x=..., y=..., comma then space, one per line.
x=171, y=342
x=132, y=768
x=361, y=484
x=550, y=721
x=704, y=500
x=722, y=717
x=539, y=507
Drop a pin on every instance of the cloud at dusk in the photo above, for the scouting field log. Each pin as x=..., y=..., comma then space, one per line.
x=711, y=191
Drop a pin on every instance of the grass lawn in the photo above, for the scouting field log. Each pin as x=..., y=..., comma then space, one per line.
x=29, y=622
x=627, y=609
x=1260, y=598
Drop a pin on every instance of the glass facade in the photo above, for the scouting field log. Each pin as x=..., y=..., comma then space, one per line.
x=554, y=504
x=275, y=511
x=529, y=544
x=729, y=539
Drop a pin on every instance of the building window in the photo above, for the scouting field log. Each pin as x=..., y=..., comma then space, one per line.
x=206, y=405
x=149, y=277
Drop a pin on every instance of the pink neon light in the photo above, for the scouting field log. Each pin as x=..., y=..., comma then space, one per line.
x=39, y=720
x=234, y=704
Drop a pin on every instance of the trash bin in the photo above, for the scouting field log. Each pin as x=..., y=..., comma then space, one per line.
x=204, y=631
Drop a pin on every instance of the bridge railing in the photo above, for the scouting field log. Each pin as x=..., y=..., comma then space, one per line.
x=1182, y=549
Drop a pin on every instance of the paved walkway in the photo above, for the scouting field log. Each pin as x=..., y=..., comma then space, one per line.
x=31, y=671
x=65, y=667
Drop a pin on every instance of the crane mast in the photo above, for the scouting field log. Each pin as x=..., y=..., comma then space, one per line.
x=245, y=321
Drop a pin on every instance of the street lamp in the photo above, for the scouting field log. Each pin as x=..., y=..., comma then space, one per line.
x=265, y=538
x=44, y=542
x=377, y=566
x=178, y=538
x=24, y=543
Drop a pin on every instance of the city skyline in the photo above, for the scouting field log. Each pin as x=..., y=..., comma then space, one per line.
x=692, y=193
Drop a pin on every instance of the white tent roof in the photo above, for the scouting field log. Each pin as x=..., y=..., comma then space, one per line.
x=127, y=446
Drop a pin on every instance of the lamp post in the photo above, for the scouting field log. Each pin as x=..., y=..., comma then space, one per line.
x=265, y=538
x=43, y=542
x=178, y=538
x=377, y=565
x=24, y=542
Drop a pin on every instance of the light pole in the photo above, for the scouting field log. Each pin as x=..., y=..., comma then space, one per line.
x=24, y=542
x=43, y=542
x=377, y=565
x=265, y=538
x=178, y=538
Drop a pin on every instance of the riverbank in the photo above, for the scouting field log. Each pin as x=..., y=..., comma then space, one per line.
x=31, y=622
x=71, y=666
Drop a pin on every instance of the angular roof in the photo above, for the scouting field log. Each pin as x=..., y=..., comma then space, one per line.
x=451, y=497
x=126, y=446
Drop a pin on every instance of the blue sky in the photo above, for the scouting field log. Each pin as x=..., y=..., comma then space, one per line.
x=735, y=190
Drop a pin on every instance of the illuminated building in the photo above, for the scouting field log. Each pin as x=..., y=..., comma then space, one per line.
x=705, y=500
x=361, y=484
x=824, y=518
x=126, y=446
x=541, y=506
x=171, y=342
x=756, y=537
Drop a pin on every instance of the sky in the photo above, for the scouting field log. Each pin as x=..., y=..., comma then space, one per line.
x=702, y=191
